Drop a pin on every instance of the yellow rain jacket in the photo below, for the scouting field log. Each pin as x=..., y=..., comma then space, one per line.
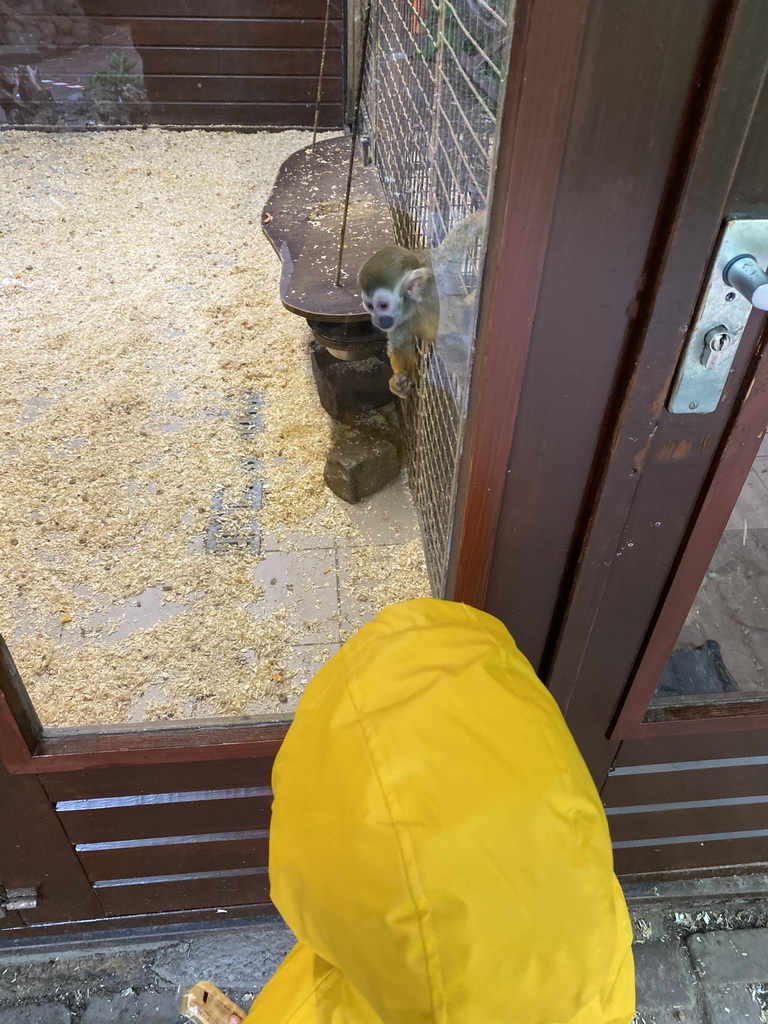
x=438, y=846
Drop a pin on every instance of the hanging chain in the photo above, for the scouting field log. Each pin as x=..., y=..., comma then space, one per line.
x=320, y=76
x=355, y=130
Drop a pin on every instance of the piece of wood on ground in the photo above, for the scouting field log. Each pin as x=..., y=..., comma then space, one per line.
x=208, y=1005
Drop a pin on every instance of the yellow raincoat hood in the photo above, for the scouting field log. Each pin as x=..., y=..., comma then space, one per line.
x=438, y=846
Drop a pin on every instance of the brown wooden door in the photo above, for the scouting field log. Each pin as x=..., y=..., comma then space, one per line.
x=609, y=508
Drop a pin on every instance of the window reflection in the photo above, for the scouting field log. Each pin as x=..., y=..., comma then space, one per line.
x=722, y=651
x=61, y=66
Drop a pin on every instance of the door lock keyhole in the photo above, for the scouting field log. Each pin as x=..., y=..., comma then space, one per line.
x=716, y=342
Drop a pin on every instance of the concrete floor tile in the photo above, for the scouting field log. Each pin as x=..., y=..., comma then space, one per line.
x=49, y=1013
x=671, y=1016
x=733, y=1005
x=353, y=612
x=304, y=583
x=731, y=958
x=387, y=517
x=664, y=977
x=240, y=960
x=134, y=1008
x=302, y=663
x=752, y=506
x=287, y=540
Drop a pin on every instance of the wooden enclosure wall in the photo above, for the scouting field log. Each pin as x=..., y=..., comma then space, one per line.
x=203, y=62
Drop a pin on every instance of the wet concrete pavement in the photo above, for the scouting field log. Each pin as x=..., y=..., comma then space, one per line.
x=701, y=955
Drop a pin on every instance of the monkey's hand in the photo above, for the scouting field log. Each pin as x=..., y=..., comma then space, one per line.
x=401, y=385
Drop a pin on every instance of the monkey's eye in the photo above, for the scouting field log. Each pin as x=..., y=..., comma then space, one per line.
x=382, y=305
x=368, y=306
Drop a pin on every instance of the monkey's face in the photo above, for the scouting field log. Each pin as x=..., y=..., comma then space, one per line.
x=385, y=307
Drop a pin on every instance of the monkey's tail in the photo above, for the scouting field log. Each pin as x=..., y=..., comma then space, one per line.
x=463, y=235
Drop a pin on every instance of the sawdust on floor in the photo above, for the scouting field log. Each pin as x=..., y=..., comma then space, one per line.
x=138, y=305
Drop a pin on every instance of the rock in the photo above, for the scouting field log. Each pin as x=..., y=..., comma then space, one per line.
x=360, y=466
x=384, y=423
x=347, y=387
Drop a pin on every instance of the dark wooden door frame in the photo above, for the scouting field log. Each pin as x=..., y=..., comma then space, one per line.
x=694, y=215
x=544, y=58
x=725, y=69
x=571, y=75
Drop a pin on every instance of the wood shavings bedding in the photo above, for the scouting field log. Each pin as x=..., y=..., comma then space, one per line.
x=138, y=306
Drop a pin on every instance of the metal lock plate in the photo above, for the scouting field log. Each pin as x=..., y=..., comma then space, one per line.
x=721, y=316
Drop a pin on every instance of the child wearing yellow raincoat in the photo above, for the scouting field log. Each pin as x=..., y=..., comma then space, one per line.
x=438, y=846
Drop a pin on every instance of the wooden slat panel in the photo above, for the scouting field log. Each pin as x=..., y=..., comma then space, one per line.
x=284, y=115
x=240, y=89
x=691, y=748
x=689, y=821
x=185, y=894
x=275, y=32
x=663, y=787
x=297, y=60
x=136, y=780
x=267, y=115
x=211, y=8
x=26, y=938
x=174, y=858
x=150, y=820
x=720, y=856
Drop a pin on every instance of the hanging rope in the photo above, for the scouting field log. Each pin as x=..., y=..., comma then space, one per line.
x=355, y=132
x=320, y=76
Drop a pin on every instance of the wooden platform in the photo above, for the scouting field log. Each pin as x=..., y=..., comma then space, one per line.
x=302, y=219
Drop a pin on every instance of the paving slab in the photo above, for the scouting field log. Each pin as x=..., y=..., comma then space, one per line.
x=241, y=960
x=48, y=1013
x=301, y=585
x=671, y=1016
x=733, y=1004
x=133, y=1008
x=663, y=977
x=731, y=958
x=43, y=981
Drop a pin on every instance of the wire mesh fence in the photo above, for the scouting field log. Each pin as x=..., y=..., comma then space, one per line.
x=433, y=81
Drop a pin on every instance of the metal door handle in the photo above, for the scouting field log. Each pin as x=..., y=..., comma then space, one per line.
x=746, y=275
x=735, y=285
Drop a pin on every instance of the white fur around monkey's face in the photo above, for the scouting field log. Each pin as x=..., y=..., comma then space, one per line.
x=385, y=307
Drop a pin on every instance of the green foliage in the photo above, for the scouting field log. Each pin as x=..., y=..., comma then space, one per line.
x=116, y=81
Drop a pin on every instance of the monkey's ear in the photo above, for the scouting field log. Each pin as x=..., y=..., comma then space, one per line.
x=414, y=283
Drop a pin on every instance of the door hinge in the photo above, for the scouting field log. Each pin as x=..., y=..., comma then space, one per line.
x=17, y=899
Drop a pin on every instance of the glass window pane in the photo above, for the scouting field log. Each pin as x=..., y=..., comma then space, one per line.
x=722, y=650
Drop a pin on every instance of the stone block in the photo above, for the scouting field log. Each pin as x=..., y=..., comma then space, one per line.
x=360, y=466
x=236, y=960
x=664, y=977
x=347, y=386
x=385, y=422
x=134, y=1008
x=734, y=1004
x=48, y=1013
x=731, y=958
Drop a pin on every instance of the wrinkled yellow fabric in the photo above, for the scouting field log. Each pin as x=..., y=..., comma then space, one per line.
x=438, y=846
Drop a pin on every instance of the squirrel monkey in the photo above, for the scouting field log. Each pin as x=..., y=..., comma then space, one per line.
x=402, y=289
